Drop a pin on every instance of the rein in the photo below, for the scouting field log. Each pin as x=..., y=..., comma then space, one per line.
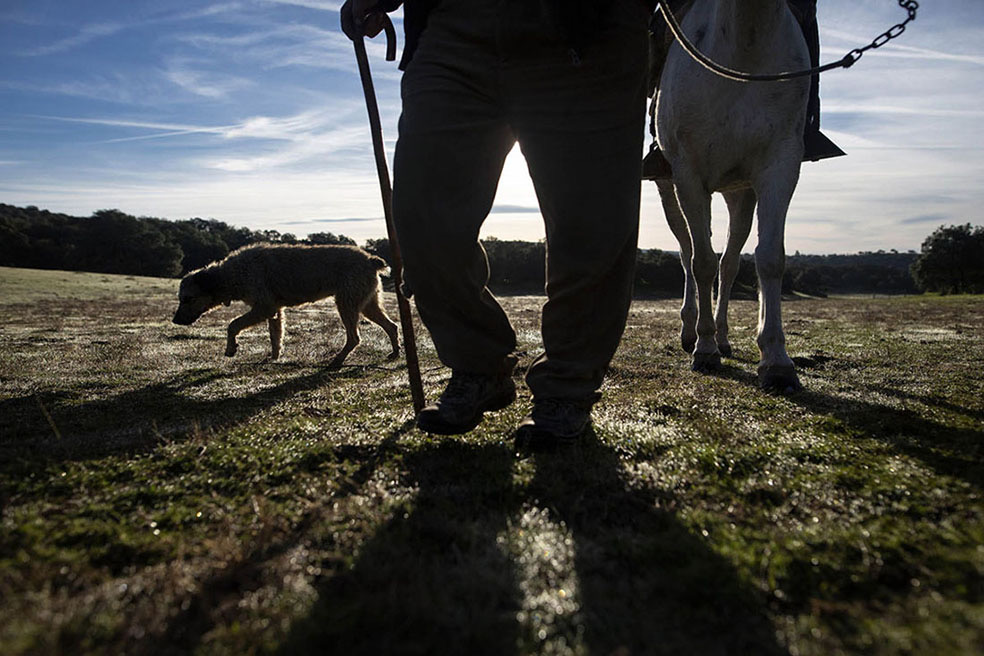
x=848, y=60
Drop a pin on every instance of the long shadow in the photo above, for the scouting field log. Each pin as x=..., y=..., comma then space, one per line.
x=648, y=584
x=951, y=451
x=435, y=580
x=198, y=615
x=948, y=450
x=55, y=427
x=432, y=579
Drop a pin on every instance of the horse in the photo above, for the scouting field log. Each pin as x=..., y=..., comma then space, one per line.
x=745, y=141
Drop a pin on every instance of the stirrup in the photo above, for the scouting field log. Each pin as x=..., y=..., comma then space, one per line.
x=655, y=166
x=816, y=146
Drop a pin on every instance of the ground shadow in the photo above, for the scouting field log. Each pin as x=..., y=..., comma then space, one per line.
x=648, y=583
x=948, y=450
x=437, y=580
x=58, y=427
x=198, y=613
x=433, y=579
x=952, y=451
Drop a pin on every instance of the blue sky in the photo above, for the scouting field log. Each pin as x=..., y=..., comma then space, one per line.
x=251, y=112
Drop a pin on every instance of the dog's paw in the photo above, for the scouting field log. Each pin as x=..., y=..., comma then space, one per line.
x=394, y=355
x=231, y=350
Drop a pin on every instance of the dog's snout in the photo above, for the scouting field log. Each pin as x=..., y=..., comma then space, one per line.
x=183, y=318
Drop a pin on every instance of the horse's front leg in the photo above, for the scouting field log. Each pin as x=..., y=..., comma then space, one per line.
x=695, y=201
x=678, y=226
x=775, y=370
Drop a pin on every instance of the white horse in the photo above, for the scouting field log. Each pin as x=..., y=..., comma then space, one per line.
x=744, y=140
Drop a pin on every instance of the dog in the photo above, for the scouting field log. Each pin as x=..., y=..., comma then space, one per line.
x=270, y=277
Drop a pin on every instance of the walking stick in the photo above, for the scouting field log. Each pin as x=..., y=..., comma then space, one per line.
x=396, y=260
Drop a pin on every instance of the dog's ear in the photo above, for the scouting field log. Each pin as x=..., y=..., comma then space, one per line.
x=227, y=303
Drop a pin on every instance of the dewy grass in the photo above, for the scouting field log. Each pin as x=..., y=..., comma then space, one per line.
x=159, y=498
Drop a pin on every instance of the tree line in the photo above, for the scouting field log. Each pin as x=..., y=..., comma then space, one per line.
x=111, y=241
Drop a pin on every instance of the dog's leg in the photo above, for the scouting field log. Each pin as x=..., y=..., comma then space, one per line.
x=251, y=318
x=349, y=313
x=276, y=325
x=374, y=312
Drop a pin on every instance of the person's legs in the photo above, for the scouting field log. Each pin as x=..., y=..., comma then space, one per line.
x=452, y=145
x=580, y=126
x=451, y=148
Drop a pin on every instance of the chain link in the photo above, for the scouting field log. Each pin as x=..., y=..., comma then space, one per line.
x=911, y=6
x=848, y=60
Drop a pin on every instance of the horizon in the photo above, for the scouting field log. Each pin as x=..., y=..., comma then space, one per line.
x=250, y=112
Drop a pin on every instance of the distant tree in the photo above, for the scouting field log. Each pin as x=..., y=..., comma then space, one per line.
x=114, y=242
x=952, y=261
x=658, y=271
x=276, y=237
x=328, y=238
x=379, y=248
x=199, y=245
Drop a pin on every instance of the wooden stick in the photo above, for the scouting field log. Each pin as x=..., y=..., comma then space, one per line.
x=396, y=260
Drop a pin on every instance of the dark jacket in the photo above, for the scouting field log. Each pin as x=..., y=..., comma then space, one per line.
x=577, y=20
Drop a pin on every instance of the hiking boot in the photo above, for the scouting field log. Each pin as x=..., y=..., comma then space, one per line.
x=466, y=398
x=553, y=424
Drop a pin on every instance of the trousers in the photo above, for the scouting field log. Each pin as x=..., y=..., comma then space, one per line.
x=488, y=74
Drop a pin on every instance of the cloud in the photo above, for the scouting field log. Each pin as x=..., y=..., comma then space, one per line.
x=899, y=50
x=86, y=34
x=322, y=5
x=205, y=83
x=926, y=218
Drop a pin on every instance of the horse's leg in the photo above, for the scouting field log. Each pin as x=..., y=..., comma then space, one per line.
x=741, y=209
x=775, y=190
x=695, y=201
x=678, y=226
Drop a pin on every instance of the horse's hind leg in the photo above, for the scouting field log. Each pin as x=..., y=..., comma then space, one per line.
x=678, y=226
x=741, y=210
x=776, y=370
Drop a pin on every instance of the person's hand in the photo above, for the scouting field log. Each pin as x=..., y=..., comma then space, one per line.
x=361, y=18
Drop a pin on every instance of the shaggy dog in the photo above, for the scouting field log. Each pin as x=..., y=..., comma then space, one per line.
x=270, y=277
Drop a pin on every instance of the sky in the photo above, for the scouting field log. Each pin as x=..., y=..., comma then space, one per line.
x=251, y=112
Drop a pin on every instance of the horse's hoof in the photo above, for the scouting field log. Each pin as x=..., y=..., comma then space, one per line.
x=725, y=350
x=706, y=362
x=688, y=344
x=781, y=379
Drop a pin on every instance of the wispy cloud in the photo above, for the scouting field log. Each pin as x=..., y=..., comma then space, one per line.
x=925, y=218
x=898, y=50
x=86, y=34
x=204, y=82
x=323, y=5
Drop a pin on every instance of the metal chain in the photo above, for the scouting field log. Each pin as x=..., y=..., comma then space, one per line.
x=848, y=60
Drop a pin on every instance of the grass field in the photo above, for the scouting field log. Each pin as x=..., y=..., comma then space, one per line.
x=159, y=498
